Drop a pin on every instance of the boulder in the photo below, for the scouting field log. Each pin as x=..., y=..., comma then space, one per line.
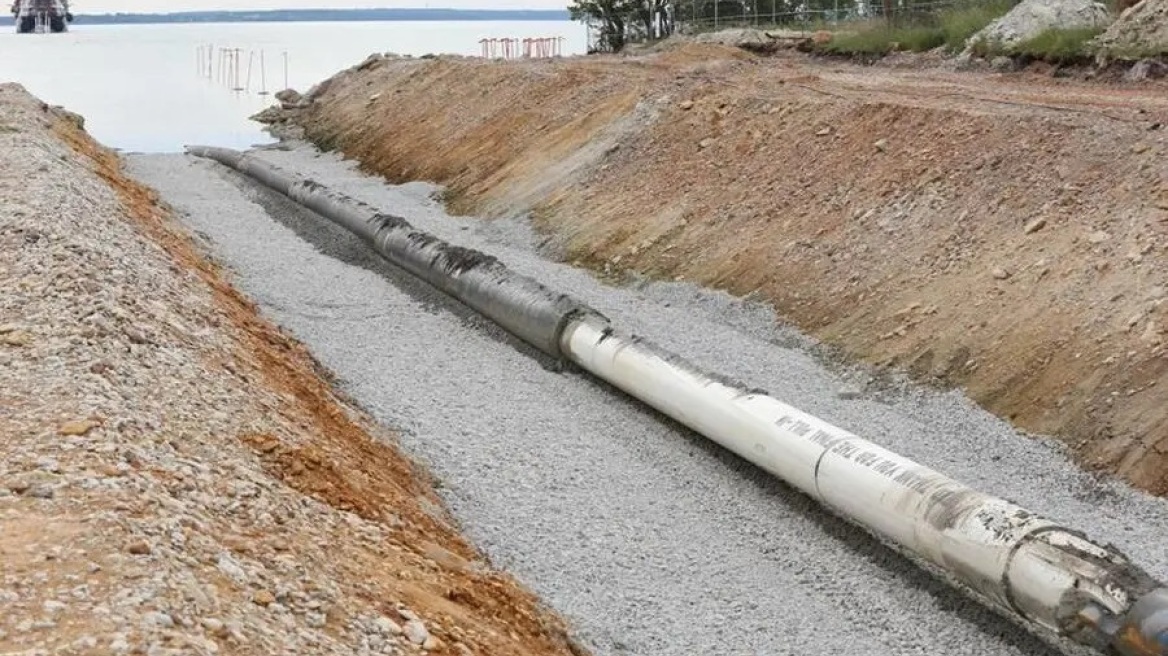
x=1030, y=18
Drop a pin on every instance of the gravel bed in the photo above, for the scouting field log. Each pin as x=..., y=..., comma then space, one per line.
x=646, y=537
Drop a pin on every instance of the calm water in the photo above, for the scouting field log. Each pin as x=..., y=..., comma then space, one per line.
x=139, y=86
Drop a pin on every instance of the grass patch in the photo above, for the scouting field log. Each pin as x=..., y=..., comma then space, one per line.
x=883, y=40
x=949, y=28
x=1058, y=46
x=960, y=23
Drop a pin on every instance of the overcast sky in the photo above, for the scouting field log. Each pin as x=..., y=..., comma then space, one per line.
x=159, y=6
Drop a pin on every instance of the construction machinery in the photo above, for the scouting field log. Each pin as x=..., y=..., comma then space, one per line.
x=41, y=16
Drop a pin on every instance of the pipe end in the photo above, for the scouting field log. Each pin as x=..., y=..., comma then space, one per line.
x=1144, y=631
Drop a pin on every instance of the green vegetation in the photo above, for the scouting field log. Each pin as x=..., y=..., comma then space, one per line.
x=1058, y=46
x=960, y=23
x=950, y=28
x=883, y=40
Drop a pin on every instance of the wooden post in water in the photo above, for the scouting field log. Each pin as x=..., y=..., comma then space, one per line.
x=236, y=86
x=263, y=76
x=250, y=61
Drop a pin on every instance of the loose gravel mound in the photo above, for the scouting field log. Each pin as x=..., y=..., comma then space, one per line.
x=1033, y=17
x=175, y=476
x=1140, y=31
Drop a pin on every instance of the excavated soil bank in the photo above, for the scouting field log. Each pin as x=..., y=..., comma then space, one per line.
x=1005, y=234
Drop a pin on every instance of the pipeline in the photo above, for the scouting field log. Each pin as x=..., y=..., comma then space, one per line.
x=1025, y=566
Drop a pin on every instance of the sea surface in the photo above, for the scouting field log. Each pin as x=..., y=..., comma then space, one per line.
x=156, y=88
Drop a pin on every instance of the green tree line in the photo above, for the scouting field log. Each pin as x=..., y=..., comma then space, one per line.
x=617, y=22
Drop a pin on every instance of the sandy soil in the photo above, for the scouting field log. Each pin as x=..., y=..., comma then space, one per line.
x=177, y=474
x=1001, y=233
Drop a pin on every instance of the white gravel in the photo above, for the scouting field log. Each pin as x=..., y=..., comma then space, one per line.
x=650, y=540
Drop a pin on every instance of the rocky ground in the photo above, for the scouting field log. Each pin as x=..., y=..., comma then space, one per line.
x=1004, y=234
x=177, y=475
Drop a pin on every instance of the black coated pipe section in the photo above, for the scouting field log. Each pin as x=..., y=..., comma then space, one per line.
x=521, y=305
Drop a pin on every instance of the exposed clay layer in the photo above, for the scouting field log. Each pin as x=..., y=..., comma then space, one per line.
x=1005, y=235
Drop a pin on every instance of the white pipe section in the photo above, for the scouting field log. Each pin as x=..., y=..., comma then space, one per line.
x=1019, y=562
x=1029, y=567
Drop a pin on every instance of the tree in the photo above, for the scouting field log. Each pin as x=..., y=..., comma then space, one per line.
x=619, y=21
x=610, y=17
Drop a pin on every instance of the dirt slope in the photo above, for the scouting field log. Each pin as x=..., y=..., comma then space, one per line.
x=1004, y=234
x=176, y=476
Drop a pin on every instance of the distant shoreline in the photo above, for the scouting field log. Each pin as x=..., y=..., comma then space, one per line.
x=318, y=15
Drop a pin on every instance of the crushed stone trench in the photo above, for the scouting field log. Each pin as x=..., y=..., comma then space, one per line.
x=648, y=539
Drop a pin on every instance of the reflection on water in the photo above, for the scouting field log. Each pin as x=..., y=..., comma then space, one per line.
x=144, y=87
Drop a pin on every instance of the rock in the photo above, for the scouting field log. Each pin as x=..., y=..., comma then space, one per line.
x=370, y=61
x=291, y=96
x=53, y=606
x=386, y=626
x=19, y=486
x=1151, y=334
x=1030, y=18
x=416, y=632
x=215, y=627
x=881, y=145
x=1002, y=64
x=78, y=427
x=1098, y=237
x=1140, y=28
x=1035, y=225
x=109, y=471
x=48, y=464
x=159, y=619
x=139, y=548
x=432, y=643
x=16, y=338
x=263, y=598
x=823, y=132
x=1146, y=69
x=738, y=37
x=686, y=104
x=228, y=566
x=1140, y=148
x=41, y=491
x=849, y=393
x=1000, y=273
x=315, y=620
x=706, y=143
x=271, y=115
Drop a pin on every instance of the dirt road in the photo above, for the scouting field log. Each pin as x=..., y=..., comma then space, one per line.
x=1004, y=234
